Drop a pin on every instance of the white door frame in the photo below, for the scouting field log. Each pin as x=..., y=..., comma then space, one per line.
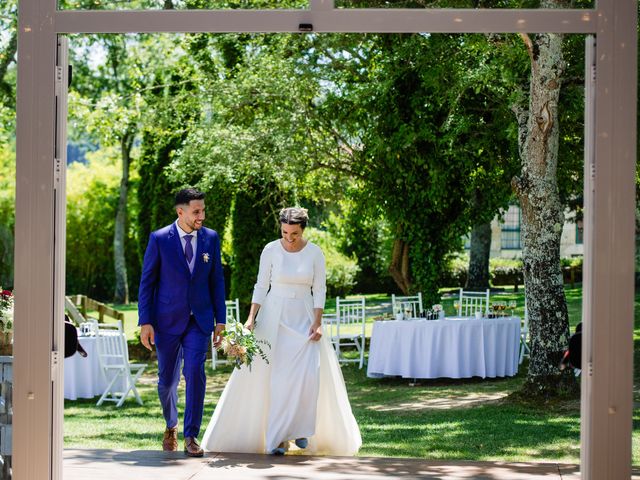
x=609, y=199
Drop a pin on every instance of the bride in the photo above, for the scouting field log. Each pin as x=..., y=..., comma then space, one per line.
x=300, y=394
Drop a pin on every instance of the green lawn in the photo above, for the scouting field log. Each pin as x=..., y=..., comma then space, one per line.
x=437, y=419
x=130, y=323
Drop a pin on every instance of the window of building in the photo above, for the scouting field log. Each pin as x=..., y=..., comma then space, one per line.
x=579, y=232
x=510, y=235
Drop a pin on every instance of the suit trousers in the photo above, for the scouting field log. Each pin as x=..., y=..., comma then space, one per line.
x=191, y=347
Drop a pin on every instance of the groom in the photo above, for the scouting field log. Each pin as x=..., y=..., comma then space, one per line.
x=181, y=293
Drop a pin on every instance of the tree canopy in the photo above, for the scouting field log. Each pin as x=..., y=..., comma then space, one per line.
x=398, y=144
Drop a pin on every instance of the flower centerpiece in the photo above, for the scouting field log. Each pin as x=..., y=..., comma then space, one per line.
x=434, y=313
x=438, y=310
x=6, y=321
x=241, y=345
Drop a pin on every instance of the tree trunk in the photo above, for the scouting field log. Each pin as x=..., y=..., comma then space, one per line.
x=399, y=268
x=121, y=294
x=478, y=272
x=542, y=219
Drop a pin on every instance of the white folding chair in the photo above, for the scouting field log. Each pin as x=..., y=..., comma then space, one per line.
x=471, y=302
x=233, y=315
x=347, y=328
x=408, y=305
x=121, y=374
x=525, y=350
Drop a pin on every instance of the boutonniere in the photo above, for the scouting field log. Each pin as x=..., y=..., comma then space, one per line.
x=205, y=257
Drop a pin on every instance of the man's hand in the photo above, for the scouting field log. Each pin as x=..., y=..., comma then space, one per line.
x=217, y=335
x=315, y=332
x=147, y=336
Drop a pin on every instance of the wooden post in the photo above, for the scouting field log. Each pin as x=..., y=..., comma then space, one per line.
x=608, y=273
x=39, y=260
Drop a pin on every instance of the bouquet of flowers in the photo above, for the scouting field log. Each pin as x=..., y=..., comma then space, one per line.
x=241, y=345
x=6, y=311
x=434, y=313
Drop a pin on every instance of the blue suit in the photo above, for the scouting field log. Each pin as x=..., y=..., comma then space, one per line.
x=183, y=308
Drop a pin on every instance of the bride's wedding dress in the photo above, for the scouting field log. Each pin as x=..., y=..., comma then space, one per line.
x=301, y=391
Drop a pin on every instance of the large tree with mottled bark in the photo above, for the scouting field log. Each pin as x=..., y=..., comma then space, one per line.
x=542, y=213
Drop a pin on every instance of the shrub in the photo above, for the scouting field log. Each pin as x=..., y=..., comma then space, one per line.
x=254, y=223
x=571, y=269
x=505, y=271
x=7, y=212
x=571, y=262
x=502, y=271
x=92, y=196
x=455, y=274
x=341, y=270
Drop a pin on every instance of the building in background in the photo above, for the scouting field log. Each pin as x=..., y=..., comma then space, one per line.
x=506, y=235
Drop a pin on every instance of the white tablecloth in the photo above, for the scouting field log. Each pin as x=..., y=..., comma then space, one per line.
x=83, y=377
x=453, y=347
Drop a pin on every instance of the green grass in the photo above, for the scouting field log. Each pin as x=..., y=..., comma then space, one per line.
x=130, y=323
x=433, y=419
x=395, y=419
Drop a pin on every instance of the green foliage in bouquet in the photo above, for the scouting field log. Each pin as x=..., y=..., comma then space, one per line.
x=241, y=345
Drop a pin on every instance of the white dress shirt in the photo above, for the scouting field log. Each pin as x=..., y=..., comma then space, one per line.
x=194, y=244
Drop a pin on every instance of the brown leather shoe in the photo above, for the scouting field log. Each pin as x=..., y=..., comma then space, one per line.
x=170, y=440
x=192, y=448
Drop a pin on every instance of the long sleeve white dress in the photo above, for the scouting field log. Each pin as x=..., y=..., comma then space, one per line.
x=301, y=391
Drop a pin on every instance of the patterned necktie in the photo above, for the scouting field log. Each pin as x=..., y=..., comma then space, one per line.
x=188, y=248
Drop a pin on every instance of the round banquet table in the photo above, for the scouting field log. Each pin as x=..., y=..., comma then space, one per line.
x=453, y=347
x=83, y=377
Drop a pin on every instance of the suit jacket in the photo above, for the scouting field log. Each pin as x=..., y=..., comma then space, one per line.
x=169, y=292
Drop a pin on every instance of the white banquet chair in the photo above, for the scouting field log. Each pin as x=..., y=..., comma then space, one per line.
x=233, y=315
x=411, y=304
x=471, y=302
x=347, y=328
x=121, y=374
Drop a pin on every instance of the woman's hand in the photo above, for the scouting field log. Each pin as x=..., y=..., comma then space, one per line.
x=315, y=331
x=249, y=325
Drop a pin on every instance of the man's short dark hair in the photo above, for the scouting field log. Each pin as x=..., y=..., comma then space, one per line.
x=184, y=196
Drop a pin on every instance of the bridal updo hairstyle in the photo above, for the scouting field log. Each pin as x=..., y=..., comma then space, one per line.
x=294, y=216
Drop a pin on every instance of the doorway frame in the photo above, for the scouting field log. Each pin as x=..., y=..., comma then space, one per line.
x=610, y=158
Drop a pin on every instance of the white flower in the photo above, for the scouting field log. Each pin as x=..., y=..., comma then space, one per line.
x=205, y=257
x=6, y=311
x=437, y=307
